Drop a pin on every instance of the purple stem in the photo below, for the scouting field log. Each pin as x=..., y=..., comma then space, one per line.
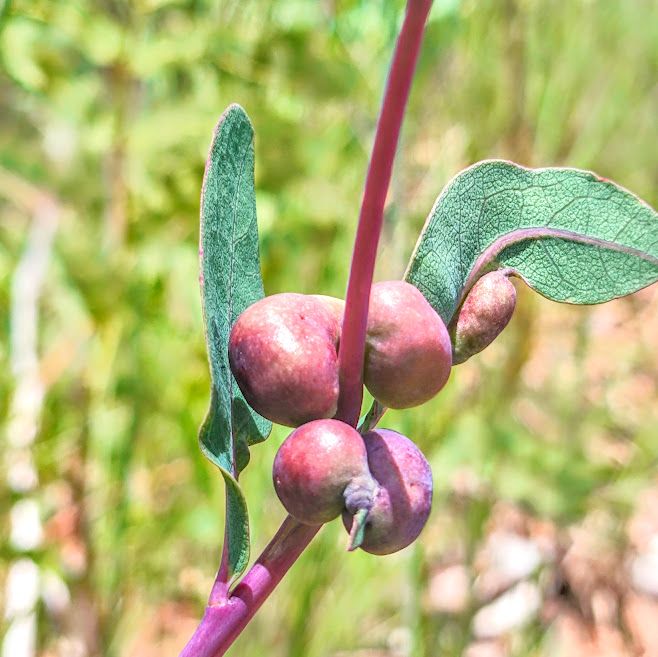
x=222, y=623
x=220, y=588
x=228, y=612
x=352, y=344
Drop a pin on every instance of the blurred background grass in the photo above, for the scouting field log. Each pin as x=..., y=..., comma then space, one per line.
x=106, y=111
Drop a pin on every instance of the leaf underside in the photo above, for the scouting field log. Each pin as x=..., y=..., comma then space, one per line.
x=571, y=235
x=230, y=281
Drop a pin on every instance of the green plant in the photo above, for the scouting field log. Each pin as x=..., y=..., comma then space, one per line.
x=570, y=235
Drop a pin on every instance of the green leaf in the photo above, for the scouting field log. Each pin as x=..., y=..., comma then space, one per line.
x=572, y=236
x=230, y=282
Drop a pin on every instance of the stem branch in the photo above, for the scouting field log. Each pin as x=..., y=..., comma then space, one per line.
x=222, y=623
x=378, y=178
x=220, y=589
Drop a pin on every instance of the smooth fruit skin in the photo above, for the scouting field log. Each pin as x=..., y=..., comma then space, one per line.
x=403, y=500
x=283, y=354
x=408, y=350
x=315, y=465
x=486, y=311
x=336, y=307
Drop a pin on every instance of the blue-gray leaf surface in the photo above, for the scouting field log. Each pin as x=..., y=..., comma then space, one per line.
x=571, y=235
x=230, y=281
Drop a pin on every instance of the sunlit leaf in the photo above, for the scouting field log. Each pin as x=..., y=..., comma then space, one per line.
x=230, y=282
x=571, y=235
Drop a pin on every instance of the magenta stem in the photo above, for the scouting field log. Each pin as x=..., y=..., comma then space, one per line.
x=220, y=588
x=228, y=612
x=378, y=178
x=223, y=622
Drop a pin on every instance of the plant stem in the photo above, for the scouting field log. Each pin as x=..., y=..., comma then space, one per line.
x=228, y=612
x=220, y=589
x=378, y=178
x=372, y=417
x=222, y=623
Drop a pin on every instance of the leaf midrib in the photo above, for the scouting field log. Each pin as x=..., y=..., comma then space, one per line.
x=230, y=300
x=542, y=232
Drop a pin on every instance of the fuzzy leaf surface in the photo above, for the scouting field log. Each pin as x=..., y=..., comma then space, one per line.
x=230, y=281
x=572, y=236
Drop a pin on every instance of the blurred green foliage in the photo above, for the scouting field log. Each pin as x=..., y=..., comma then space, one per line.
x=110, y=106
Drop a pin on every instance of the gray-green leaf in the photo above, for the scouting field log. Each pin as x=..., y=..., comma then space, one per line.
x=571, y=235
x=230, y=281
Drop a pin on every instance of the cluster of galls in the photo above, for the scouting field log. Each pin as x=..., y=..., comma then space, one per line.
x=283, y=352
